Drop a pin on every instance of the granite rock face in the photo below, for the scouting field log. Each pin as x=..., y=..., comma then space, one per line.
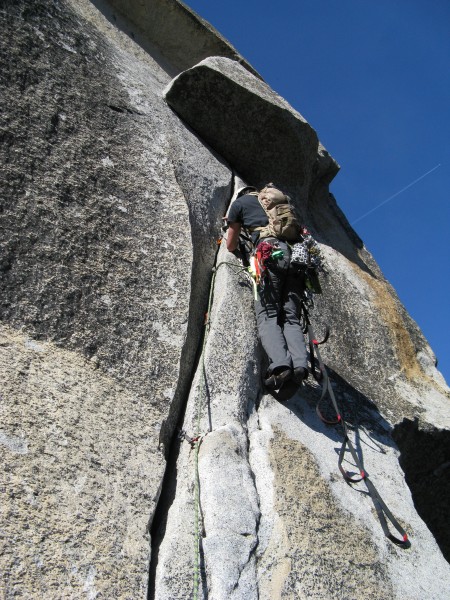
x=309, y=534
x=111, y=209
x=270, y=139
x=172, y=31
x=110, y=214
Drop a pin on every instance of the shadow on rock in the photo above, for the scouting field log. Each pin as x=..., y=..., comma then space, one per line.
x=361, y=415
x=425, y=459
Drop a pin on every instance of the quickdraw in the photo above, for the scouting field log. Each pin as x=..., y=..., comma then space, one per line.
x=190, y=440
x=321, y=376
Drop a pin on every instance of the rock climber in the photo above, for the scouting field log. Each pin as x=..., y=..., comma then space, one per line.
x=279, y=300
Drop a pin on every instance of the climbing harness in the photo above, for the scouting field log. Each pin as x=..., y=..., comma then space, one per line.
x=321, y=376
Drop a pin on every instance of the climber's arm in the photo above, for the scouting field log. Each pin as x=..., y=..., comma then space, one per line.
x=234, y=229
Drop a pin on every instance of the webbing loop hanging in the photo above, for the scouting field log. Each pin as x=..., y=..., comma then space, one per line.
x=383, y=512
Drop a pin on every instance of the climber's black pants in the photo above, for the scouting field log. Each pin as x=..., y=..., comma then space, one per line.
x=278, y=312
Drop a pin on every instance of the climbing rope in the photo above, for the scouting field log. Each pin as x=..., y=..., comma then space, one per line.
x=383, y=512
x=197, y=439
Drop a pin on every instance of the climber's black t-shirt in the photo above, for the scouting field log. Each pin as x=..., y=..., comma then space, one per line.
x=247, y=211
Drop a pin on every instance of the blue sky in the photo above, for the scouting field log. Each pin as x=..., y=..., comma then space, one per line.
x=373, y=79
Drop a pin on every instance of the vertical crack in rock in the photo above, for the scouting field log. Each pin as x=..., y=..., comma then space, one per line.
x=425, y=459
x=231, y=515
x=259, y=436
x=168, y=490
x=203, y=196
x=231, y=506
x=228, y=497
x=253, y=425
x=158, y=525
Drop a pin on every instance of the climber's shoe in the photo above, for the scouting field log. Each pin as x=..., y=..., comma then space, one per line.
x=277, y=378
x=300, y=374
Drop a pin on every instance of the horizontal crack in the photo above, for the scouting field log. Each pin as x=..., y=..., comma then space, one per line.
x=124, y=110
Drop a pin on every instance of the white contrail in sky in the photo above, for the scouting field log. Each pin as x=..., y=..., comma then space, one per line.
x=396, y=194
